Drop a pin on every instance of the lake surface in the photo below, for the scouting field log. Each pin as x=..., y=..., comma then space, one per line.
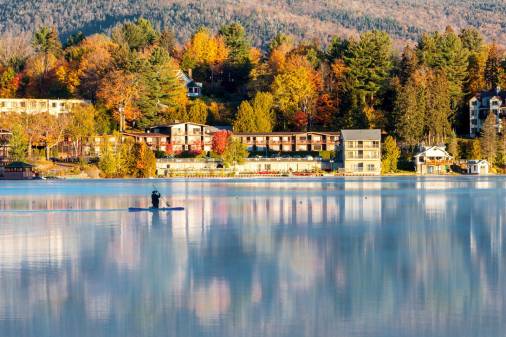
x=300, y=257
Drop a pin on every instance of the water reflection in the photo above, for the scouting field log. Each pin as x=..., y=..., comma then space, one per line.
x=363, y=257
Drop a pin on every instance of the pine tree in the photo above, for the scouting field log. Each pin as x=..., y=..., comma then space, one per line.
x=493, y=67
x=475, y=149
x=439, y=113
x=408, y=65
x=488, y=139
x=453, y=146
x=410, y=111
x=446, y=52
x=501, y=150
x=369, y=61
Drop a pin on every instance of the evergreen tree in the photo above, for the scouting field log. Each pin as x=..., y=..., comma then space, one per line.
x=488, y=139
x=453, y=146
x=410, y=109
x=369, y=61
x=501, y=150
x=471, y=39
x=238, y=44
x=391, y=154
x=439, y=113
x=475, y=149
x=446, y=52
x=408, y=64
x=493, y=67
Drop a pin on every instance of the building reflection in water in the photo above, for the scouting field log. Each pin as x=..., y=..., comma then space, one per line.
x=403, y=257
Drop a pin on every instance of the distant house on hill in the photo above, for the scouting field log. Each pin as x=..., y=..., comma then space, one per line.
x=483, y=104
x=194, y=88
x=433, y=160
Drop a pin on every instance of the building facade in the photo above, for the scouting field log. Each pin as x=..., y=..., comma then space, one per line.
x=194, y=89
x=478, y=167
x=360, y=152
x=433, y=160
x=289, y=141
x=483, y=104
x=176, y=138
x=54, y=107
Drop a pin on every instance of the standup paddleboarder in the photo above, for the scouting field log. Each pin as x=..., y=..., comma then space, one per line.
x=155, y=198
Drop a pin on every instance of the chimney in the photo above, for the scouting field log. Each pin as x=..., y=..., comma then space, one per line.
x=190, y=75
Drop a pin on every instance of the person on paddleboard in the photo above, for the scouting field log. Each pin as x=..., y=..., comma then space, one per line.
x=155, y=198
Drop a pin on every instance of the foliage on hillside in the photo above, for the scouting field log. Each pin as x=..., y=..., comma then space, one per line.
x=403, y=19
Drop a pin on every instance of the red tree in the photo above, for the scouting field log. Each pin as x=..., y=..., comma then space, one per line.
x=300, y=120
x=220, y=141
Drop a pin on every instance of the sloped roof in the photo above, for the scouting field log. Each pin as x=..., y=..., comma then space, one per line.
x=361, y=134
x=434, y=148
x=19, y=164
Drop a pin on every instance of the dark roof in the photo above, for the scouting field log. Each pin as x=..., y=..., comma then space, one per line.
x=144, y=134
x=285, y=133
x=361, y=134
x=492, y=93
x=19, y=164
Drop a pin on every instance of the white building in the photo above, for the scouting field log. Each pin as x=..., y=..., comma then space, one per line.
x=433, y=160
x=54, y=107
x=481, y=105
x=478, y=167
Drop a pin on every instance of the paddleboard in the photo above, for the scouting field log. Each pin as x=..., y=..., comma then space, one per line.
x=151, y=209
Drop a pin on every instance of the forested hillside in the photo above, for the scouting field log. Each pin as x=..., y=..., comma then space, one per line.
x=402, y=19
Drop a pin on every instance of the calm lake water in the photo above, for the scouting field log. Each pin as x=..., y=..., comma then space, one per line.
x=301, y=257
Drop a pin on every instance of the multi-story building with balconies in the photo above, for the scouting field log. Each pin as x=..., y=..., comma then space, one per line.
x=54, y=107
x=289, y=141
x=483, y=104
x=360, y=151
x=176, y=137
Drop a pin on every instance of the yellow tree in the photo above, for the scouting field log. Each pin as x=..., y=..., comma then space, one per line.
x=204, y=48
x=294, y=90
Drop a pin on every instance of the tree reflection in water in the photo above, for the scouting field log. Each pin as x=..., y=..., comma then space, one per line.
x=311, y=257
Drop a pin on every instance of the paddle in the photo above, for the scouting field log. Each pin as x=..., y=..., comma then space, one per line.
x=162, y=198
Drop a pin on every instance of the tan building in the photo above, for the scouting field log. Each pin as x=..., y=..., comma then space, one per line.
x=360, y=152
x=289, y=141
x=54, y=107
x=176, y=137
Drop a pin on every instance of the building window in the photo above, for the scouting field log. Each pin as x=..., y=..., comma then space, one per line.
x=370, y=167
x=360, y=143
